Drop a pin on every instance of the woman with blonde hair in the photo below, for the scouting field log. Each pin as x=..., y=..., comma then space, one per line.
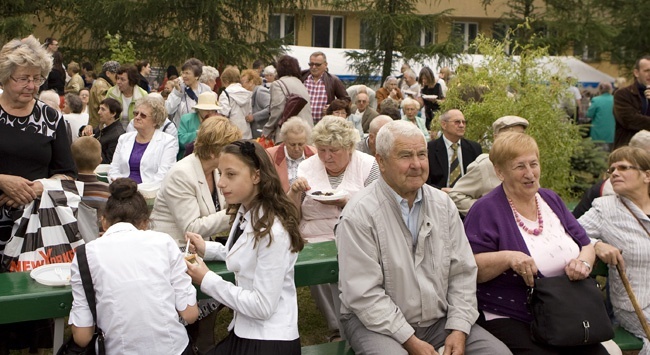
x=260, y=100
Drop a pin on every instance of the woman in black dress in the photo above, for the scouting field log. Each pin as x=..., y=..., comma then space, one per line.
x=428, y=89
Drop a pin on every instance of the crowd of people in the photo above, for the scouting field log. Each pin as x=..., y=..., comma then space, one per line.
x=437, y=241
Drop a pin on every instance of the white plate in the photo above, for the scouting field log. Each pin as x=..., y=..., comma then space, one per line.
x=337, y=194
x=429, y=97
x=48, y=276
x=102, y=169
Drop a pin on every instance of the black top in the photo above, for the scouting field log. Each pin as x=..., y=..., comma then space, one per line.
x=143, y=83
x=55, y=81
x=108, y=137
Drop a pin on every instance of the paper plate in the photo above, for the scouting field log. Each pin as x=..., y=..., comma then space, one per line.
x=52, y=274
x=429, y=97
x=325, y=195
x=102, y=169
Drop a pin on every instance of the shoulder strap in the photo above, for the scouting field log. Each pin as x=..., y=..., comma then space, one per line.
x=166, y=126
x=285, y=91
x=635, y=216
x=87, y=280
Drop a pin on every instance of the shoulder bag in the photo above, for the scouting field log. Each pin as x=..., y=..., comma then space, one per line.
x=568, y=313
x=293, y=104
x=70, y=347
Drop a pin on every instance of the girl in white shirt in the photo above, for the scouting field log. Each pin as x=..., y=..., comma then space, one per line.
x=261, y=251
x=139, y=280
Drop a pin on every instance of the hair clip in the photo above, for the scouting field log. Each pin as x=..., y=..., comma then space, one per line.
x=248, y=148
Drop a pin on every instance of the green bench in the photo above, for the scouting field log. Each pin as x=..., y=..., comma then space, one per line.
x=335, y=348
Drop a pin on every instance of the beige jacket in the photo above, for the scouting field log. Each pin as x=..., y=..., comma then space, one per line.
x=393, y=287
x=184, y=203
x=479, y=179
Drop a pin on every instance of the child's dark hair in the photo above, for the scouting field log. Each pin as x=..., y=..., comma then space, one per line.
x=271, y=198
x=126, y=204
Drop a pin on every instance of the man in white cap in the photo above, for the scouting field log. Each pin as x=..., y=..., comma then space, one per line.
x=480, y=177
x=206, y=106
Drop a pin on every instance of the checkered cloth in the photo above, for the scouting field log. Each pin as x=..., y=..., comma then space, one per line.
x=47, y=231
x=318, y=94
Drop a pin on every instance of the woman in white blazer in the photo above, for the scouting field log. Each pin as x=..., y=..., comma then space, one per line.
x=147, y=154
x=188, y=199
x=261, y=250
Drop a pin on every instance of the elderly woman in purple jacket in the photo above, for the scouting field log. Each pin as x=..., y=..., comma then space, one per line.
x=519, y=232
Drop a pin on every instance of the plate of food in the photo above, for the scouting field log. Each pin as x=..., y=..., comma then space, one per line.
x=52, y=274
x=429, y=97
x=327, y=195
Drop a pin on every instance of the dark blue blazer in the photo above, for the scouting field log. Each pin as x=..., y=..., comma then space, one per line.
x=439, y=163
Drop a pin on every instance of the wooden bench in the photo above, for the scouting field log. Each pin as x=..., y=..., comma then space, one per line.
x=23, y=299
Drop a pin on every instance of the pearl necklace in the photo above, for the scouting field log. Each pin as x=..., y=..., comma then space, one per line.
x=520, y=223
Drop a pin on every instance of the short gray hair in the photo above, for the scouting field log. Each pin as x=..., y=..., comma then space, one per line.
x=270, y=70
x=296, y=125
x=22, y=53
x=335, y=131
x=319, y=53
x=50, y=98
x=157, y=106
x=388, y=79
x=74, y=102
x=209, y=73
x=378, y=122
x=641, y=140
x=388, y=133
x=410, y=102
x=410, y=73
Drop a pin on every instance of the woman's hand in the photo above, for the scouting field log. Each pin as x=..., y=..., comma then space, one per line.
x=609, y=254
x=17, y=189
x=249, y=118
x=197, y=270
x=88, y=130
x=393, y=94
x=525, y=266
x=300, y=185
x=577, y=270
x=197, y=244
x=177, y=84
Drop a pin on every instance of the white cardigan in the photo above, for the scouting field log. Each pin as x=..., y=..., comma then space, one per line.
x=184, y=203
x=264, y=299
x=157, y=159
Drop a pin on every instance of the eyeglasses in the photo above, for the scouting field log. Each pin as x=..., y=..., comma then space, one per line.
x=25, y=81
x=458, y=122
x=622, y=168
x=138, y=113
x=315, y=64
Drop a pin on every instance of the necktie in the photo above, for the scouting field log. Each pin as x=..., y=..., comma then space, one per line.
x=454, y=168
x=238, y=232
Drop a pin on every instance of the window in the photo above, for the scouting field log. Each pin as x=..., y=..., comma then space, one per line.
x=366, y=41
x=466, y=32
x=427, y=36
x=281, y=26
x=327, y=31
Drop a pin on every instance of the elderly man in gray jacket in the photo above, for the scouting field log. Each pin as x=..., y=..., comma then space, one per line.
x=407, y=273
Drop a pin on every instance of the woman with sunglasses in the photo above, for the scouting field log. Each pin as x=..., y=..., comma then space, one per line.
x=620, y=224
x=261, y=250
x=147, y=154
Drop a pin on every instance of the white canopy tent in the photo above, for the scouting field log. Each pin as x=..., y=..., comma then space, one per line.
x=586, y=75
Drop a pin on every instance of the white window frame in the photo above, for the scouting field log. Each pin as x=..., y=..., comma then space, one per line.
x=283, y=19
x=423, y=36
x=331, y=34
x=465, y=32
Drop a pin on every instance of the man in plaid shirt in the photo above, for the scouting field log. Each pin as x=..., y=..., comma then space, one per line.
x=322, y=86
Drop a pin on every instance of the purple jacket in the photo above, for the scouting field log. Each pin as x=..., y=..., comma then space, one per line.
x=490, y=226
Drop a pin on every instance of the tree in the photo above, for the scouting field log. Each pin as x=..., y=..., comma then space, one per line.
x=632, y=39
x=16, y=17
x=519, y=86
x=170, y=31
x=392, y=26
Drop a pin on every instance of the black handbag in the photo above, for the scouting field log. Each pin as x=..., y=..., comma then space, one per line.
x=70, y=347
x=568, y=313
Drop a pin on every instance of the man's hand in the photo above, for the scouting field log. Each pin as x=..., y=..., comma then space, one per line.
x=647, y=92
x=455, y=343
x=415, y=346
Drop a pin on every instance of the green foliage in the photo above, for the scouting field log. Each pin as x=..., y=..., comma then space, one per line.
x=122, y=52
x=588, y=164
x=392, y=26
x=519, y=86
x=218, y=32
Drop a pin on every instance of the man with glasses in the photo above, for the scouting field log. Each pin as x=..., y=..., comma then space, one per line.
x=450, y=154
x=322, y=86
